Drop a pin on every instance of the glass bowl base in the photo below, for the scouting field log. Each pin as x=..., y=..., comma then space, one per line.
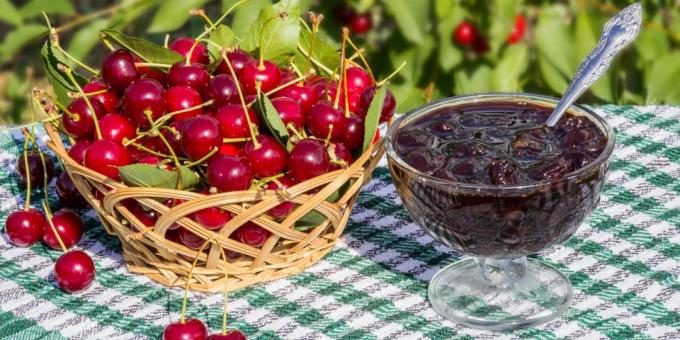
x=467, y=293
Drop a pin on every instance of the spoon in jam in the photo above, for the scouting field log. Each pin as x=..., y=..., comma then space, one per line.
x=618, y=33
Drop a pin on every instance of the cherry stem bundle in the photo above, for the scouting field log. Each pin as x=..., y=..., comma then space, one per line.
x=182, y=316
x=69, y=74
x=54, y=229
x=253, y=135
x=27, y=205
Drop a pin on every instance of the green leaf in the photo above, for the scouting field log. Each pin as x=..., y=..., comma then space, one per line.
x=407, y=96
x=502, y=21
x=587, y=35
x=309, y=221
x=18, y=39
x=171, y=15
x=61, y=84
x=478, y=81
x=245, y=14
x=275, y=35
x=662, y=79
x=321, y=49
x=130, y=12
x=373, y=117
x=9, y=13
x=146, y=50
x=555, y=47
x=653, y=43
x=86, y=38
x=36, y=7
x=450, y=55
x=148, y=175
x=222, y=36
x=416, y=57
x=412, y=18
x=511, y=66
x=273, y=120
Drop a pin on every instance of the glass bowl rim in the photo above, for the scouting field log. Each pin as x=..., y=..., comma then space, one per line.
x=511, y=97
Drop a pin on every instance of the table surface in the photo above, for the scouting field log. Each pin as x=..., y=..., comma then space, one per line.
x=623, y=263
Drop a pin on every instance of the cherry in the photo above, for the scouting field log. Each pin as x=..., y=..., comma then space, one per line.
x=267, y=75
x=325, y=120
x=80, y=124
x=108, y=99
x=212, y=218
x=173, y=137
x=229, y=149
x=361, y=23
x=200, y=135
x=118, y=69
x=190, y=239
x=144, y=95
x=150, y=72
x=290, y=111
x=282, y=210
x=268, y=159
x=222, y=90
x=481, y=45
x=183, y=97
x=304, y=95
x=36, y=171
x=77, y=151
x=354, y=132
x=308, y=159
x=238, y=60
x=149, y=159
x=191, y=329
x=74, y=271
x=229, y=173
x=105, y=156
x=517, y=32
x=465, y=33
x=171, y=203
x=341, y=153
x=389, y=104
x=326, y=90
x=252, y=234
x=68, y=192
x=233, y=121
x=116, y=127
x=68, y=225
x=357, y=80
x=344, y=13
x=230, y=335
x=183, y=46
x=25, y=227
x=193, y=75
x=147, y=217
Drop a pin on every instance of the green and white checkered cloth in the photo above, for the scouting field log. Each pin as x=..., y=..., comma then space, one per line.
x=623, y=263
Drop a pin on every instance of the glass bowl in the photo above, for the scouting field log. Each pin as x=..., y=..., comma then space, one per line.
x=497, y=287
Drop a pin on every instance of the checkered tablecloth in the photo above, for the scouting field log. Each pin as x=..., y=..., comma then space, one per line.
x=623, y=264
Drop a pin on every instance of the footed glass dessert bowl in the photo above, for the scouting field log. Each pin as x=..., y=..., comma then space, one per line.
x=485, y=176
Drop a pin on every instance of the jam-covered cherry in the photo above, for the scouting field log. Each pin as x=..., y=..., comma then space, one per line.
x=238, y=60
x=518, y=29
x=361, y=23
x=181, y=98
x=284, y=209
x=80, y=124
x=308, y=159
x=116, y=127
x=105, y=156
x=465, y=33
x=266, y=74
x=222, y=90
x=25, y=227
x=193, y=75
x=144, y=95
x=183, y=46
x=191, y=329
x=77, y=151
x=303, y=94
x=109, y=99
x=233, y=121
x=36, y=170
x=230, y=335
x=229, y=173
x=357, y=80
x=354, y=132
x=201, y=135
x=74, y=271
x=326, y=120
x=290, y=111
x=68, y=225
x=68, y=192
x=389, y=104
x=118, y=70
x=268, y=158
x=252, y=234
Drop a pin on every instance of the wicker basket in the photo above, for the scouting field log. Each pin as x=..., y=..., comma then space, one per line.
x=286, y=252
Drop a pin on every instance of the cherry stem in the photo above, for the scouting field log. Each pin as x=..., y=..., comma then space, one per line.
x=292, y=128
x=182, y=316
x=283, y=16
x=169, y=115
x=380, y=83
x=202, y=159
x=316, y=62
x=153, y=65
x=263, y=181
x=73, y=116
x=235, y=140
x=54, y=229
x=345, y=35
x=27, y=205
x=166, y=40
x=280, y=87
x=147, y=150
x=343, y=68
x=31, y=125
x=241, y=98
x=226, y=290
x=212, y=27
x=87, y=94
x=31, y=136
x=172, y=153
x=360, y=52
x=69, y=74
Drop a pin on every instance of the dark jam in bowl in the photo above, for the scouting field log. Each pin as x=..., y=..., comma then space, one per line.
x=492, y=180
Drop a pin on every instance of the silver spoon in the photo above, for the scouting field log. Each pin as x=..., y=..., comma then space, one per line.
x=618, y=33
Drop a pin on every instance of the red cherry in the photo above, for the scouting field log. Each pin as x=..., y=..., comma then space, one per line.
x=233, y=121
x=80, y=124
x=183, y=47
x=200, y=135
x=327, y=90
x=183, y=97
x=108, y=99
x=465, y=33
x=357, y=80
x=141, y=96
x=190, y=239
x=105, y=156
x=252, y=234
x=354, y=132
x=191, y=329
x=36, y=171
x=74, y=271
x=342, y=153
x=118, y=69
x=230, y=149
x=323, y=117
x=282, y=210
x=150, y=159
x=308, y=159
x=194, y=75
x=230, y=335
x=481, y=45
x=304, y=95
x=212, y=218
x=25, y=227
x=68, y=193
x=173, y=138
x=116, y=127
x=361, y=23
x=150, y=72
x=171, y=203
x=389, y=104
x=518, y=30
x=238, y=60
x=77, y=151
x=222, y=90
x=229, y=173
x=267, y=75
x=68, y=225
x=290, y=111
x=147, y=217
x=268, y=159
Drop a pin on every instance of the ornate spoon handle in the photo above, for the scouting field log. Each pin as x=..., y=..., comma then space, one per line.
x=618, y=33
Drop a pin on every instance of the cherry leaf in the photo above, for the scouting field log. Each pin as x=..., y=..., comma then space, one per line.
x=273, y=120
x=61, y=84
x=275, y=32
x=148, y=51
x=373, y=117
x=149, y=175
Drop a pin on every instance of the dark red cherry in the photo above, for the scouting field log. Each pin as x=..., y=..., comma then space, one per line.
x=190, y=239
x=238, y=60
x=116, y=127
x=171, y=203
x=233, y=121
x=183, y=97
x=304, y=95
x=141, y=96
x=74, y=271
x=282, y=210
x=230, y=149
x=25, y=227
x=229, y=173
x=518, y=29
x=118, y=70
x=147, y=217
x=150, y=72
x=344, y=13
x=354, y=132
x=267, y=75
x=68, y=225
x=212, y=218
x=269, y=159
x=326, y=120
x=80, y=124
x=252, y=234
x=222, y=90
x=357, y=80
x=105, y=156
x=308, y=159
x=326, y=90
x=191, y=329
x=290, y=111
x=481, y=45
x=77, y=151
x=193, y=75
x=465, y=34
x=201, y=135
x=183, y=46
x=149, y=159
x=173, y=137
x=343, y=154
x=389, y=104
x=36, y=170
x=108, y=99
x=230, y=335
x=361, y=23
x=68, y=192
